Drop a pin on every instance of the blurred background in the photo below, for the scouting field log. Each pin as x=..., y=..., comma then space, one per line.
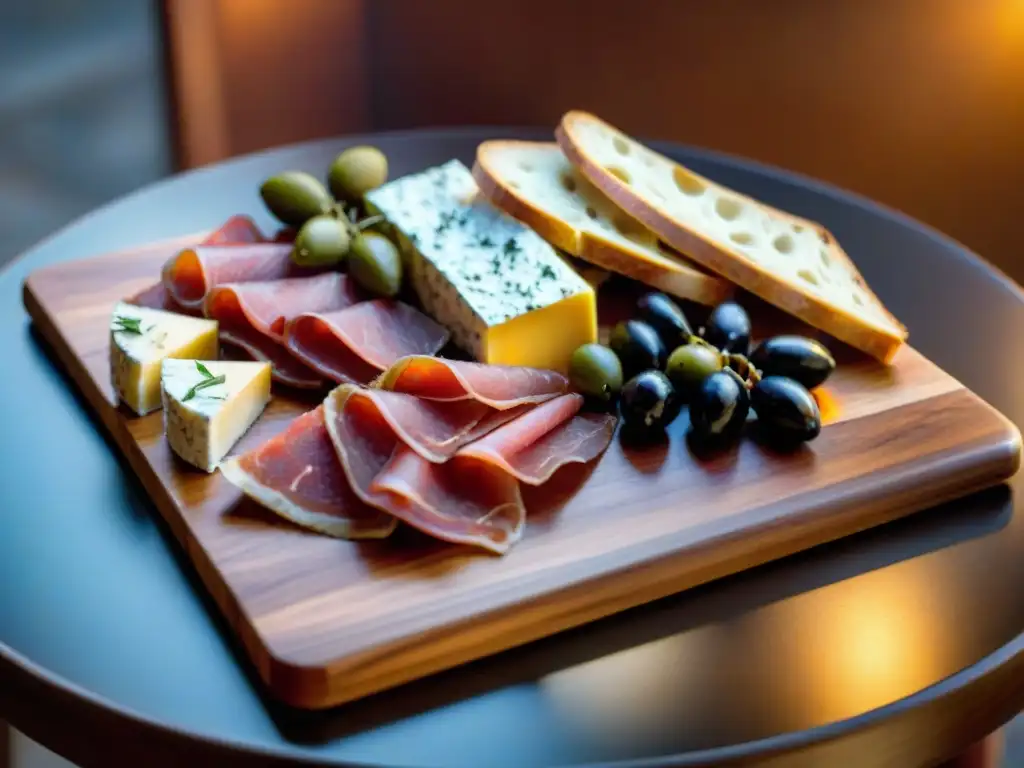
x=918, y=104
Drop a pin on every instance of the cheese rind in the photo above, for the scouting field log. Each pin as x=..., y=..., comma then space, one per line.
x=135, y=358
x=505, y=294
x=203, y=428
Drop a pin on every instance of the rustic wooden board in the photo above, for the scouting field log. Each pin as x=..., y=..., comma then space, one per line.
x=327, y=621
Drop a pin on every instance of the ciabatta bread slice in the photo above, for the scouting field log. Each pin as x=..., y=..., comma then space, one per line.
x=788, y=261
x=535, y=183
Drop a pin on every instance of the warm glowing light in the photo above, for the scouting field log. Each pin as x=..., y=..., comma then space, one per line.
x=828, y=405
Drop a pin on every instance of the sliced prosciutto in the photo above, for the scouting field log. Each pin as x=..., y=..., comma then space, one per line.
x=237, y=230
x=297, y=475
x=193, y=272
x=532, y=447
x=354, y=345
x=499, y=386
x=474, y=504
x=252, y=316
x=435, y=430
x=284, y=367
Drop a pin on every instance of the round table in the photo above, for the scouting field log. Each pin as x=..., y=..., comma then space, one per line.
x=896, y=646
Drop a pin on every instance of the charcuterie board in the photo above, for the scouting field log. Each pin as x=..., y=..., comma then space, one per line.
x=326, y=621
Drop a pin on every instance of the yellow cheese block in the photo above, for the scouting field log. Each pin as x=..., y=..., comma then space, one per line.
x=141, y=338
x=208, y=406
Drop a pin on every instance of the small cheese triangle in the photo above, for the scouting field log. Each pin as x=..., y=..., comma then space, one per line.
x=141, y=338
x=209, y=405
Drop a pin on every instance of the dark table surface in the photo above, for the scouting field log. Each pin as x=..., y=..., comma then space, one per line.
x=894, y=646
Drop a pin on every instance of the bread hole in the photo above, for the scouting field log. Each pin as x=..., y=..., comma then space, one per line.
x=857, y=299
x=624, y=227
x=810, y=277
x=729, y=208
x=568, y=182
x=525, y=166
x=824, y=274
x=688, y=183
x=784, y=244
x=619, y=173
x=742, y=238
x=826, y=260
x=591, y=212
x=798, y=228
x=621, y=145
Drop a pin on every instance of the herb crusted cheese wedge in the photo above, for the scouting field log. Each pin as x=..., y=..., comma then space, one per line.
x=141, y=338
x=208, y=406
x=505, y=294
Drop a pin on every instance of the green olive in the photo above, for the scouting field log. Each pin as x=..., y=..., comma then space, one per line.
x=356, y=171
x=323, y=241
x=690, y=364
x=375, y=264
x=595, y=371
x=294, y=197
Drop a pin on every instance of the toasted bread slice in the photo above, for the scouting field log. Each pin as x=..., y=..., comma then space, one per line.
x=535, y=183
x=788, y=261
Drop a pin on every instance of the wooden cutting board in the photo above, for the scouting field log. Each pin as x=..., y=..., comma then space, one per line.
x=326, y=621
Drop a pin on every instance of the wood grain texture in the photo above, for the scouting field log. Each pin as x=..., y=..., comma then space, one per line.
x=327, y=621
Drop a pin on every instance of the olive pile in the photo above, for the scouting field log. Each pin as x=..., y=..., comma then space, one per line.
x=655, y=364
x=330, y=228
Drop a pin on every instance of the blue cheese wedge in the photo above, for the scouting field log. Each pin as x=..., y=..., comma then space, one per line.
x=141, y=338
x=209, y=405
x=505, y=294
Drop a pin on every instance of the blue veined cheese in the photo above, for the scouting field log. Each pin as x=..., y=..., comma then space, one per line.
x=141, y=338
x=505, y=294
x=209, y=405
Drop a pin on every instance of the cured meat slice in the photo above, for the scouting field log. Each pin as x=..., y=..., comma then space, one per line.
x=193, y=272
x=499, y=386
x=473, y=504
x=157, y=297
x=464, y=503
x=264, y=307
x=285, y=368
x=435, y=430
x=253, y=316
x=354, y=345
x=298, y=476
x=237, y=230
x=532, y=447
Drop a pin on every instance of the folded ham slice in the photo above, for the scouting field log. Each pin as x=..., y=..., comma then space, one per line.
x=297, y=475
x=476, y=504
x=433, y=429
x=237, y=230
x=253, y=315
x=499, y=386
x=353, y=345
x=534, y=446
x=193, y=272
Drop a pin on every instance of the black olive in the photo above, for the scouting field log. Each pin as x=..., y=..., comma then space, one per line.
x=785, y=410
x=638, y=346
x=728, y=328
x=648, y=400
x=720, y=406
x=797, y=357
x=665, y=317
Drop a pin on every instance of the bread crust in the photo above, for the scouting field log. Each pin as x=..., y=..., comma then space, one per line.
x=875, y=341
x=668, y=275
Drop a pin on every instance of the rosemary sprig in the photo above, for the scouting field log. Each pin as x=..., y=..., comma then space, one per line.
x=209, y=380
x=129, y=324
